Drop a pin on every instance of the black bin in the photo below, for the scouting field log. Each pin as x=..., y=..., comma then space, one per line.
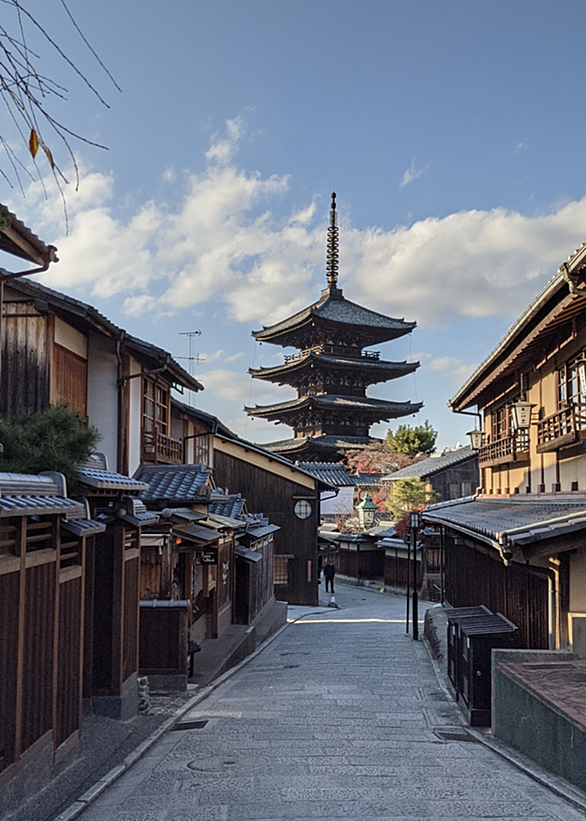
x=456, y=617
x=477, y=640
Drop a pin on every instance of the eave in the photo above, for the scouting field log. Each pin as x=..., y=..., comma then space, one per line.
x=375, y=370
x=347, y=404
x=562, y=299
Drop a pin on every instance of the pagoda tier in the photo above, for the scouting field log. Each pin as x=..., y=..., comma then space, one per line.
x=334, y=320
x=325, y=368
x=317, y=448
x=318, y=414
x=331, y=373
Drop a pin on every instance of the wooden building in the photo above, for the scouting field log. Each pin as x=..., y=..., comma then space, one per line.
x=519, y=547
x=44, y=541
x=332, y=371
x=287, y=495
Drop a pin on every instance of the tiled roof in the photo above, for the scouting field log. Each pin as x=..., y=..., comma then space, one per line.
x=332, y=306
x=332, y=472
x=28, y=484
x=520, y=522
x=392, y=409
x=368, y=479
x=107, y=480
x=233, y=507
x=40, y=506
x=84, y=527
x=8, y=244
x=174, y=484
x=432, y=465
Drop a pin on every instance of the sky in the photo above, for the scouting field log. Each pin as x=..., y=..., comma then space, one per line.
x=451, y=132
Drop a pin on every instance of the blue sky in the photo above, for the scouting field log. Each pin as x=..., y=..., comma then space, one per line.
x=452, y=133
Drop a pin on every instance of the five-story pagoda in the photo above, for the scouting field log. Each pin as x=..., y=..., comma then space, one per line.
x=332, y=371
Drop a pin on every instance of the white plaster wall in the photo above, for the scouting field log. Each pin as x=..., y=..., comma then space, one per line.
x=340, y=505
x=103, y=395
x=70, y=338
x=578, y=581
x=134, y=418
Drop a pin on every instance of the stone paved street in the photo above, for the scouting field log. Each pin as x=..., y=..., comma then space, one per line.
x=339, y=718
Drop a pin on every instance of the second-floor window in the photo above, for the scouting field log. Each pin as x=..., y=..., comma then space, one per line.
x=501, y=423
x=155, y=413
x=571, y=387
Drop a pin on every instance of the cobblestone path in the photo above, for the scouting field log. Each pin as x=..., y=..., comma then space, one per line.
x=341, y=717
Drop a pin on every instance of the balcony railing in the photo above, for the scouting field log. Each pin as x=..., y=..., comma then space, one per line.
x=333, y=350
x=514, y=448
x=565, y=427
x=158, y=447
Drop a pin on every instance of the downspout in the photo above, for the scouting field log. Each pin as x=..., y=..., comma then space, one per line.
x=122, y=426
x=212, y=432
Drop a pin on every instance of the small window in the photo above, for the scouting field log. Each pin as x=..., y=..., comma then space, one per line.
x=302, y=509
x=281, y=571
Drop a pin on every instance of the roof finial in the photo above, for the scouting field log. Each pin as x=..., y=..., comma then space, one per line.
x=332, y=246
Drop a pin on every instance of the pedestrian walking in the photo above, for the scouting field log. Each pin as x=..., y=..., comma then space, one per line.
x=329, y=573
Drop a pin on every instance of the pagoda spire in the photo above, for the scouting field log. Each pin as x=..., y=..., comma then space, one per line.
x=332, y=249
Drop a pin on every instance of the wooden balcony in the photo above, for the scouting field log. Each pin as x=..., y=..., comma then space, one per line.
x=514, y=448
x=160, y=448
x=565, y=427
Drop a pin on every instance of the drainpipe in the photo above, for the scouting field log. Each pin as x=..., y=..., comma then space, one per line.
x=122, y=438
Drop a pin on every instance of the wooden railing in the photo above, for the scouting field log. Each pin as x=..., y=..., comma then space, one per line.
x=562, y=428
x=161, y=448
x=333, y=350
x=512, y=448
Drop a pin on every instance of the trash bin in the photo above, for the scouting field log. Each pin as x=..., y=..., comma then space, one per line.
x=457, y=616
x=477, y=640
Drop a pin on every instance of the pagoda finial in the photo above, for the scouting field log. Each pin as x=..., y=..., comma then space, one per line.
x=332, y=246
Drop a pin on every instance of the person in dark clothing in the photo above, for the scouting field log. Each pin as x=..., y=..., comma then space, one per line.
x=329, y=573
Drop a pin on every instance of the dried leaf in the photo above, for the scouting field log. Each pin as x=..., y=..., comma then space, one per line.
x=49, y=156
x=33, y=143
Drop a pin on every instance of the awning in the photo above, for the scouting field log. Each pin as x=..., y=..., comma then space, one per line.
x=226, y=522
x=247, y=554
x=83, y=527
x=40, y=506
x=197, y=533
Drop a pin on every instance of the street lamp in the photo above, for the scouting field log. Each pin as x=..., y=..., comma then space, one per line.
x=521, y=413
x=476, y=437
x=366, y=512
x=414, y=526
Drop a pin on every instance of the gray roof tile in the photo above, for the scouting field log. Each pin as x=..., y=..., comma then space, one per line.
x=432, y=465
x=174, y=484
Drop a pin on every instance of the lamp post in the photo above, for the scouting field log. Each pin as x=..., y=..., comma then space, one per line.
x=366, y=512
x=414, y=526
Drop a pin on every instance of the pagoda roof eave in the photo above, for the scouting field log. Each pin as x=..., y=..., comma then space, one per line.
x=334, y=309
x=387, y=410
x=385, y=369
x=326, y=443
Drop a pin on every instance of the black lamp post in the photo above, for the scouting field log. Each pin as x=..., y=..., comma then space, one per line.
x=414, y=526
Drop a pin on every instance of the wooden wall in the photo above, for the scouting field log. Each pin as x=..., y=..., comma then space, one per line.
x=519, y=592
x=274, y=496
x=26, y=354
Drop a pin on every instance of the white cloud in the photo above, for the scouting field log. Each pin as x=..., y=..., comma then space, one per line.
x=457, y=370
x=234, y=357
x=412, y=173
x=218, y=240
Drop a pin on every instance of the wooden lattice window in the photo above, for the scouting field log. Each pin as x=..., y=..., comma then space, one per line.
x=281, y=570
x=501, y=423
x=9, y=533
x=70, y=553
x=155, y=407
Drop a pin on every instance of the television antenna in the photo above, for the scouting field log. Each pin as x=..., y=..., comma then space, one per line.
x=191, y=357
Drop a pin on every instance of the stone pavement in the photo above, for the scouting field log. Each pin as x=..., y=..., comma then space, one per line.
x=340, y=717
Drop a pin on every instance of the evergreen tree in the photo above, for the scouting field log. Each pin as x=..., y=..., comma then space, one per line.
x=413, y=441
x=54, y=439
x=407, y=495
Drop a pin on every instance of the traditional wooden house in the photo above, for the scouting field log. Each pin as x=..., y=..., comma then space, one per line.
x=44, y=540
x=518, y=547
x=451, y=474
x=288, y=495
x=56, y=348
x=332, y=371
